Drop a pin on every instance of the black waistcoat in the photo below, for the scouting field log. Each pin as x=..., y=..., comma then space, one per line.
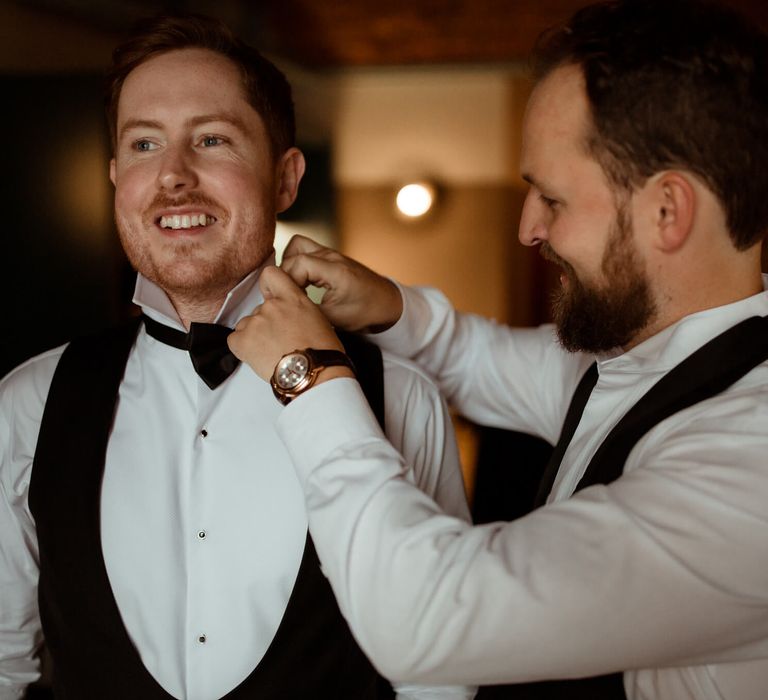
x=312, y=654
x=702, y=375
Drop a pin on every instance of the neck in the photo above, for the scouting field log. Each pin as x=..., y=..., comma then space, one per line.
x=697, y=289
x=198, y=309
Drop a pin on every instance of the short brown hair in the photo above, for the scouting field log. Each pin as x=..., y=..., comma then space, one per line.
x=674, y=84
x=266, y=87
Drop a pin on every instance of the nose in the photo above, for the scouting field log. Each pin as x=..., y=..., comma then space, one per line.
x=177, y=171
x=533, y=227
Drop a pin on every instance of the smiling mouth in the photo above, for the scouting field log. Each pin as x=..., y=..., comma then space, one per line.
x=185, y=221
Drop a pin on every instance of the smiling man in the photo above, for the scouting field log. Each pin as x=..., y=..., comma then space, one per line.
x=152, y=529
x=198, y=182
x=644, y=572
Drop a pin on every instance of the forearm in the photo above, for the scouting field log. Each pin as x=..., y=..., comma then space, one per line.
x=432, y=599
x=513, y=378
x=15, y=676
x=12, y=692
x=20, y=629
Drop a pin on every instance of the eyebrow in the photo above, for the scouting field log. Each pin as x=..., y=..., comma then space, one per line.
x=226, y=117
x=538, y=184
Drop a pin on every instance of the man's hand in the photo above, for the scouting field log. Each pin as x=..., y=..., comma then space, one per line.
x=356, y=298
x=287, y=320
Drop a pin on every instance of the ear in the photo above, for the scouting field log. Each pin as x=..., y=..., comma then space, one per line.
x=674, y=201
x=112, y=170
x=290, y=170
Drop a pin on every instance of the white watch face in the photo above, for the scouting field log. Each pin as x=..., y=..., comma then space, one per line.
x=291, y=371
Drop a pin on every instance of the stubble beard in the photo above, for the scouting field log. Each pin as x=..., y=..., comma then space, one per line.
x=190, y=271
x=598, y=319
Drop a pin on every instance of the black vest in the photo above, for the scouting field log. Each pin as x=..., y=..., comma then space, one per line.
x=313, y=653
x=703, y=374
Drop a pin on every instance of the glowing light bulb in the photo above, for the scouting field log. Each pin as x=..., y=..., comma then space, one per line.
x=415, y=199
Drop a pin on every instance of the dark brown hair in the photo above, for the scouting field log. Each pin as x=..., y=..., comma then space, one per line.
x=674, y=84
x=266, y=87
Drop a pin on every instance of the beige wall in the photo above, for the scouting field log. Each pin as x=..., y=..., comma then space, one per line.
x=449, y=123
x=469, y=248
x=460, y=128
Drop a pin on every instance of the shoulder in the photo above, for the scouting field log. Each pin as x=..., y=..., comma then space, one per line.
x=24, y=390
x=741, y=408
x=729, y=431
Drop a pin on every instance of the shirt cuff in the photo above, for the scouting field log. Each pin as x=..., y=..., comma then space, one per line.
x=398, y=339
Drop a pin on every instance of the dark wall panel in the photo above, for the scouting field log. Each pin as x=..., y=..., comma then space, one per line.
x=62, y=269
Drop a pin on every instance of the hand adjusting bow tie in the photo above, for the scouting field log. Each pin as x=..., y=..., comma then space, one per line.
x=206, y=344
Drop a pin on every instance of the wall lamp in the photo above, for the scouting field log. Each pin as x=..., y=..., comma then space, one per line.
x=416, y=199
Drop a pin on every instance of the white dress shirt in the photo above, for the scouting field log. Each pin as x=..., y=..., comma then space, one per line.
x=662, y=574
x=203, y=521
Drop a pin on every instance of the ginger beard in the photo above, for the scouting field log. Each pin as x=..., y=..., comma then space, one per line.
x=196, y=269
x=598, y=318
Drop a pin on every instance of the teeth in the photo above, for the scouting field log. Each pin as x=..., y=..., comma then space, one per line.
x=177, y=221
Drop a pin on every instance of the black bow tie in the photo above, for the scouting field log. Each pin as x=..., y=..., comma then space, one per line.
x=206, y=344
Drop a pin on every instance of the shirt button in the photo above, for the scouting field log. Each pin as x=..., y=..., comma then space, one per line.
x=201, y=639
x=204, y=433
x=201, y=534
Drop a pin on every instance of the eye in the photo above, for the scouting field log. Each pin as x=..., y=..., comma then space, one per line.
x=209, y=140
x=144, y=145
x=549, y=202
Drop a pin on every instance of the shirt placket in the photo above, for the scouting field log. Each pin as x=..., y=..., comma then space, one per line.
x=200, y=539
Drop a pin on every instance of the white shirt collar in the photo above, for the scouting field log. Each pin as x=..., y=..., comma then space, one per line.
x=671, y=346
x=240, y=301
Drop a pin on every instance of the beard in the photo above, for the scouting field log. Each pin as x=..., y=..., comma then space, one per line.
x=595, y=319
x=191, y=270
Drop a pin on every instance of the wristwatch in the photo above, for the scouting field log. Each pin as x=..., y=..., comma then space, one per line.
x=297, y=371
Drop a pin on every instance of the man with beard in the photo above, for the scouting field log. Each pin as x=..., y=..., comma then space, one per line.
x=644, y=575
x=149, y=495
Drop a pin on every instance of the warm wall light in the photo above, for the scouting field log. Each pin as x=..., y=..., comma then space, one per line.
x=415, y=199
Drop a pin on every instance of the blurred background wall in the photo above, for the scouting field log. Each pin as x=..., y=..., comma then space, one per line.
x=385, y=93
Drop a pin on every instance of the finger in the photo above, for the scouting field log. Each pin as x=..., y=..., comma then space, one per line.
x=242, y=324
x=299, y=245
x=308, y=269
x=275, y=283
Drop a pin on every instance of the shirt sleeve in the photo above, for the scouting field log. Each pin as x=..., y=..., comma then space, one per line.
x=664, y=567
x=469, y=357
x=418, y=424
x=22, y=399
